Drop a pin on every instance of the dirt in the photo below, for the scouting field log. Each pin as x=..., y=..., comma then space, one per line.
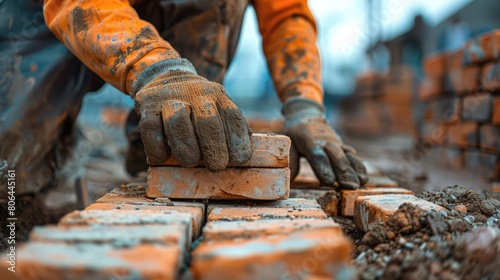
x=461, y=243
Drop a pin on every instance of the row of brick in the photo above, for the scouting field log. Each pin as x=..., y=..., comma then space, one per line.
x=124, y=235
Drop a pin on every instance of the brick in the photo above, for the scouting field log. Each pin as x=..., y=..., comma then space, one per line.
x=369, y=210
x=463, y=135
x=231, y=183
x=292, y=208
x=490, y=77
x=227, y=230
x=123, y=234
x=128, y=217
x=97, y=261
x=435, y=65
x=469, y=81
x=447, y=110
x=196, y=214
x=430, y=88
x=434, y=134
x=313, y=253
x=495, y=190
x=349, y=197
x=495, y=119
x=269, y=150
x=477, y=107
x=490, y=138
x=490, y=44
x=328, y=199
x=380, y=182
x=261, y=125
x=140, y=199
x=306, y=177
x=473, y=53
x=489, y=166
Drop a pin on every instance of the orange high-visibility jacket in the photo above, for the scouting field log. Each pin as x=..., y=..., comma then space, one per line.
x=110, y=38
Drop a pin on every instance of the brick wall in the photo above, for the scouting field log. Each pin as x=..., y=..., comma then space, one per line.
x=460, y=99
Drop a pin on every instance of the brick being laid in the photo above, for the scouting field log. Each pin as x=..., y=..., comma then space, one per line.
x=320, y=252
x=349, y=197
x=269, y=150
x=490, y=138
x=369, y=210
x=196, y=214
x=41, y=260
x=228, y=230
x=294, y=208
x=231, y=183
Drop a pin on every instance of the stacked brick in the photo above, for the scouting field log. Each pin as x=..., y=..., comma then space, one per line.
x=460, y=97
x=381, y=104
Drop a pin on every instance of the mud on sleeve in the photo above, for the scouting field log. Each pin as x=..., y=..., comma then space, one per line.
x=108, y=37
x=288, y=32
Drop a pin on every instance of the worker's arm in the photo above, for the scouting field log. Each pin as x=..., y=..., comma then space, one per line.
x=182, y=114
x=288, y=32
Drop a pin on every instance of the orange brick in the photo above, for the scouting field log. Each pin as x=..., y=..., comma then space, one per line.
x=328, y=199
x=227, y=230
x=490, y=43
x=231, y=183
x=490, y=138
x=349, y=197
x=495, y=119
x=313, y=253
x=128, y=217
x=435, y=65
x=197, y=215
x=269, y=150
x=495, y=189
x=283, y=209
x=141, y=199
x=261, y=125
x=39, y=260
x=369, y=210
x=469, y=82
x=463, y=135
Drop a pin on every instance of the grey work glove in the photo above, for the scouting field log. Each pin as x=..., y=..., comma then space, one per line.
x=187, y=116
x=313, y=139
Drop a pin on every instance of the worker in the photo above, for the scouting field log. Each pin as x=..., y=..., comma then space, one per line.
x=170, y=56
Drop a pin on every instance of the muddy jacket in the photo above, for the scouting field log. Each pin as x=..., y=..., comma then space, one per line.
x=112, y=40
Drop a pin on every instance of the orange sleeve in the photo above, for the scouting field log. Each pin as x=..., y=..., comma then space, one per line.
x=288, y=33
x=108, y=37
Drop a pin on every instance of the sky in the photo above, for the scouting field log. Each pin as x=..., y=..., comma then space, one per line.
x=342, y=37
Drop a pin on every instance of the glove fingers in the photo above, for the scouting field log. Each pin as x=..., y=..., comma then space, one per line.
x=347, y=178
x=321, y=165
x=181, y=137
x=359, y=167
x=155, y=144
x=294, y=164
x=237, y=133
x=211, y=136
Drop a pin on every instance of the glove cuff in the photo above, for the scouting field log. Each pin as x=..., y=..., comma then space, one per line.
x=161, y=67
x=298, y=109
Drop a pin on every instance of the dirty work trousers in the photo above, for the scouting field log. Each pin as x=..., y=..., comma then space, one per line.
x=42, y=83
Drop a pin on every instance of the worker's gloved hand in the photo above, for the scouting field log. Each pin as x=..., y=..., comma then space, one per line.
x=321, y=146
x=187, y=116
